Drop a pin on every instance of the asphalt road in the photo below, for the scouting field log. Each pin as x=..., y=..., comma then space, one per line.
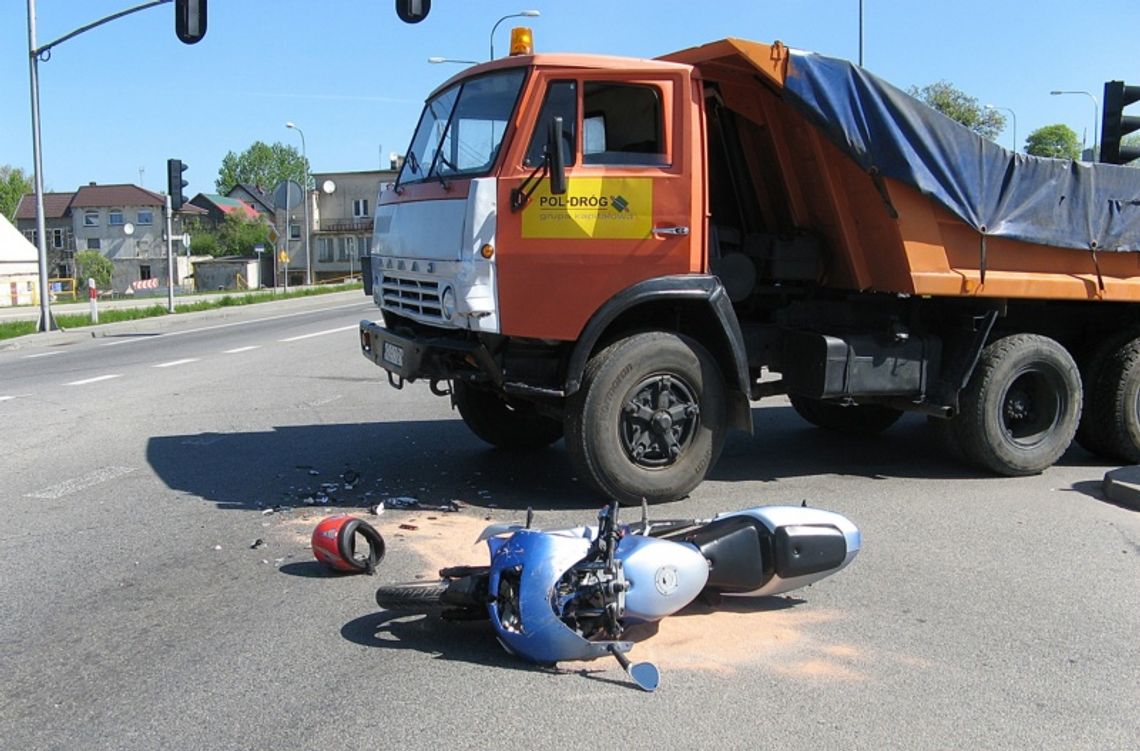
x=983, y=612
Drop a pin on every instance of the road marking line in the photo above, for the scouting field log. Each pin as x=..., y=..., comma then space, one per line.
x=242, y=349
x=96, y=379
x=172, y=363
x=77, y=484
x=6, y=398
x=41, y=354
x=319, y=333
x=151, y=338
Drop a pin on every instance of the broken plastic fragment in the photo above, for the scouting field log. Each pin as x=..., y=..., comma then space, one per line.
x=258, y=543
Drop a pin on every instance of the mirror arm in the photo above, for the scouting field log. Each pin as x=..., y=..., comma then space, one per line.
x=520, y=196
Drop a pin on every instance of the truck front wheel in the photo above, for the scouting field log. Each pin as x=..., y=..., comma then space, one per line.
x=649, y=419
x=1021, y=407
x=504, y=424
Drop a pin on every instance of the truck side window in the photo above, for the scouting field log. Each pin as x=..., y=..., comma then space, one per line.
x=561, y=101
x=622, y=124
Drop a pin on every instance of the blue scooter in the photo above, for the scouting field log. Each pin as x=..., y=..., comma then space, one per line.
x=569, y=594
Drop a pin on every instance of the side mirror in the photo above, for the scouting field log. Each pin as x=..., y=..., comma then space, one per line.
x=556, y=151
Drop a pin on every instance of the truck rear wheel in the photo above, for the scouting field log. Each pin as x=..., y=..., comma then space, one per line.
x=857, y=419
x=649, y=419
x=504, y=424
x=1111, y=423
x=1021, y=407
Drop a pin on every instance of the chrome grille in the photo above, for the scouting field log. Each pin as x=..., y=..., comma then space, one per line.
x=415, y=297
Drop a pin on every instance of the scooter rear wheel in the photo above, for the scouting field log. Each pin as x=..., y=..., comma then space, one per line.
x=417, y=597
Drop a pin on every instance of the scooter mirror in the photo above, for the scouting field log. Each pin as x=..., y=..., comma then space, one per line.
x=645, y=675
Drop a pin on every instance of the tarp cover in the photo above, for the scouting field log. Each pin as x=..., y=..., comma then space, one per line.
x=997, y=192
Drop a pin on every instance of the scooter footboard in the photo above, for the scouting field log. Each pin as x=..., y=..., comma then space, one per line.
x=773, y=549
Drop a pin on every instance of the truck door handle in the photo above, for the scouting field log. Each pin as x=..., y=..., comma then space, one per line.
x=671, y=231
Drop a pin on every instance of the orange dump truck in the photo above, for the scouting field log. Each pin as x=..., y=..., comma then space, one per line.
x=613, y=251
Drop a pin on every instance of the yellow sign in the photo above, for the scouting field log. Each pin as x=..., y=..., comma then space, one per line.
x=619, y=208
x=283, y=257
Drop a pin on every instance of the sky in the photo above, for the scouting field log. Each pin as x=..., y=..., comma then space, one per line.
x=121, y=99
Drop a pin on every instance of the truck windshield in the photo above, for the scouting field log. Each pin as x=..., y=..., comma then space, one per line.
x=461, y=128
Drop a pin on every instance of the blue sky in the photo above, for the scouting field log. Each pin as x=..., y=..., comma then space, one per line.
x=127, y=96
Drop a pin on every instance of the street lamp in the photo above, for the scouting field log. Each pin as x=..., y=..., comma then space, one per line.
x=1096, y=116
x=527, y=13
x=1014, y=116
x=308, y=229
x=438, y=60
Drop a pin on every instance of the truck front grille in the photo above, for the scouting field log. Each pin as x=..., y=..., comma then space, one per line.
x=413, y=297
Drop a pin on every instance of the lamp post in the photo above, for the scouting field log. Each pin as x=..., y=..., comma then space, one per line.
x=437, y=60
x=305, y=192
x=1096, y=116
x=527, y=13
x=1011, y=114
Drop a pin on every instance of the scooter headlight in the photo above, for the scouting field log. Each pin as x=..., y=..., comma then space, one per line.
x=448, y=302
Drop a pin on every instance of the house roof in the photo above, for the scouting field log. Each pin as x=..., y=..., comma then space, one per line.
x=55, y=205
x=228, y=205
x=257, y=194
x=102, y=196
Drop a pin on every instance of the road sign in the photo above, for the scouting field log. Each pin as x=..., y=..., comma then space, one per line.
x=283, y=257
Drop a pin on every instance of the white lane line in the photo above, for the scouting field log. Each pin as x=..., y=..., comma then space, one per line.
x=151, y=337
x=96, y=379
x=319, y=333
x=41, y=354
x=77, y=484
x=242, y=349
x=172, y=363
x=6, y=398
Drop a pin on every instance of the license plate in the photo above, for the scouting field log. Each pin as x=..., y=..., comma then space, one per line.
x=394, y=354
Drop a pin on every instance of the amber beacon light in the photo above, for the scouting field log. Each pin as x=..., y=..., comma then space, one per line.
x=522, y=41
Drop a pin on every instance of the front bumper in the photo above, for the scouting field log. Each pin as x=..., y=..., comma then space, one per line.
x=435, y=358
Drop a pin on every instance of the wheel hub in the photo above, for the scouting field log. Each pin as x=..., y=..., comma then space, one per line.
x=659, y=421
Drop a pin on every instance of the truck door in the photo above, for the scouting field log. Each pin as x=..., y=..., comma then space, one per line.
x=628, y=214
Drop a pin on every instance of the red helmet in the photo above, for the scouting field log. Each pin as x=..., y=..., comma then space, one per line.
x=334, y=544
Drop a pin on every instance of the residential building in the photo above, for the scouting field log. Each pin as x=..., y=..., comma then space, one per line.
x=343, y=214
x=125, y=223
x=58, y=228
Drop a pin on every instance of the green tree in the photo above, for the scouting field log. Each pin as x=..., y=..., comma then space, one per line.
x=238, y=235
x=1132, y=139
x=961, y=107
x=261, y=165
x=1058, y=141
x=14, y=183
x=93, y=264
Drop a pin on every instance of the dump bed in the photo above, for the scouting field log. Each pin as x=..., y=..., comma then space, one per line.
x=909, y=201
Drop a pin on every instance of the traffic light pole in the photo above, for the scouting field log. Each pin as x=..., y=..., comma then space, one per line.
x=35, y=55
x=169, y=256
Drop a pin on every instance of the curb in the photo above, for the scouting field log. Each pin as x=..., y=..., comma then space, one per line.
x=1123, y=486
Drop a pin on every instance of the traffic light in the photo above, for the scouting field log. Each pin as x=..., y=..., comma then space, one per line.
x=1115, y=125
x=190, y=20
x=412, y=11
x=175, y=183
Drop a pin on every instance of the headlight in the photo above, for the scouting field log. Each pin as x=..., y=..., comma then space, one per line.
x=448, y=302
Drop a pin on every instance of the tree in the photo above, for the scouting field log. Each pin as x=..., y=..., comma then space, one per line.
x=93, y=264
x=261, y=165
x=14, y=184
x=237, y=235
x=961, y=107
x=1058, y=141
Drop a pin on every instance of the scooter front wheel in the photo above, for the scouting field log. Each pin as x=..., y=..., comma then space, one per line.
x=417, y=597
